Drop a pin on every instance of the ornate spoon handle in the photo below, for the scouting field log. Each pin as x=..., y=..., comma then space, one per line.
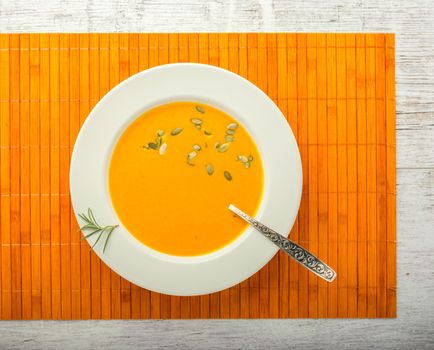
x=301, y=255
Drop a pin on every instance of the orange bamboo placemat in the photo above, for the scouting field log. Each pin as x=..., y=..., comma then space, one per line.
x=338, y=94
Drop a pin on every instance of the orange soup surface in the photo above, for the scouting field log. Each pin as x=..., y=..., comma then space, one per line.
x=174, y=172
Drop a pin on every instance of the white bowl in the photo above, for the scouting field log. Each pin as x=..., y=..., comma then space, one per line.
x=242, y=100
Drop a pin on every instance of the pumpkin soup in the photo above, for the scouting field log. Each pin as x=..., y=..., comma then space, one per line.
x=174, y=172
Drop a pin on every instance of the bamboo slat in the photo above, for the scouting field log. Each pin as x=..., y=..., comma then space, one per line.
x=5, y=180
x=234, y=63
x=291, y=44
x=26, y=298
x=264, y=276
x=35, y=192
x=95, y=264
x=54, y=178
x=321, y=85
x=145, y=301
x=124, y=73
x=15, y=175
x=332, y=170
x=342, y=182
x=64, y=149
x=252, y=75
x=351, y=172
x=84, y=109
x=362, y=298
x=282, y=103
x=74, y=127
x=371, y=182
x=133, y=45
x=312, y=165
x=302, y=128
x=115, y=280
x=390, y=175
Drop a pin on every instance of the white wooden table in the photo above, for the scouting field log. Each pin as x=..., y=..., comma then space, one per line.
x=413, y=23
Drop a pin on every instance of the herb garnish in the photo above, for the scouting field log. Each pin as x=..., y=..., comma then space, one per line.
x=95, y=228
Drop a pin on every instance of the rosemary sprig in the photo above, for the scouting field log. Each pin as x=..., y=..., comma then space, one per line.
x=94, y=228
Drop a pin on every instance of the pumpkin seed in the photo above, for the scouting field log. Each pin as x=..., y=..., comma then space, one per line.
x=217, y=145
x=196, y=121
x=228, y=175
x=207, y=133
x=152, y=145
x=250, y=158
x=176, y=131
x=223, y=148
x=191, y=155
x=247, y=165
x=229, y=138
x=200, y=109
x=159, y=141
x=163, y=149
x=242, y=159
x=232, y=126
x=210, y=169
x=230, y=131
x=160, y=133
x=197, y=148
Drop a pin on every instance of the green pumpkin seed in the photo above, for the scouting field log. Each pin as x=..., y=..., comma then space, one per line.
x=223, y=148
x=159, y=141
x=229, y=138
x=242, y=159
x=217, y=145
x=247, y=165
x=228, y=175
x=197, y=148
x=232, y=126
x=160, y=133
x=191, y=155
x=152, y=145
x=250, y=158
x=207, y=133
x=230, y=131
x=200, y=109
x=209, y=169
x=176, y=131
x=196, y=121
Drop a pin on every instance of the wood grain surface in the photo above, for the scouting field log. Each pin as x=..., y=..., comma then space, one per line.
x=345, y=154
x=414, y=28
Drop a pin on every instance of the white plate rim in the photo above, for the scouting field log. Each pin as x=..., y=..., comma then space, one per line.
x=244, y=101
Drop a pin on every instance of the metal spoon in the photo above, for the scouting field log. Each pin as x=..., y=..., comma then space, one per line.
x=301, y=255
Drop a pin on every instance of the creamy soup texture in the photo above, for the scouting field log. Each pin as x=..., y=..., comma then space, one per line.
x=175, y=170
